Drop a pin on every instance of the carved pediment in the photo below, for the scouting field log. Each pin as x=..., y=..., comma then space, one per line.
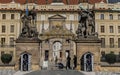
x=57, y=16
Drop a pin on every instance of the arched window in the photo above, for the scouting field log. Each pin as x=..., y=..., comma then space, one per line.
x=111, y=16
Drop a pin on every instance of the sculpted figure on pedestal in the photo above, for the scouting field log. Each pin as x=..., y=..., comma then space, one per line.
x=86, y=25
x=29, y=22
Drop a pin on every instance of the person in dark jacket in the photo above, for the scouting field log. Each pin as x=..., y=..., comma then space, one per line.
x=75, y=61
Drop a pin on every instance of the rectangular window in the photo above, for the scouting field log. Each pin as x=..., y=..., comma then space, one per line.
x=102, y=16
x=11, y=52
x=3, y=28
x=11, y=41
x=103, y=56
x=12, y=28
x=3, y=16
x=111, y=17
x=118, y=16
x=103, y=42
x=61, y=54
x=2, y=41
x=111, y=29
x=111, y=42
x=2, y=52
x=46, y=55
x=102, y=29
x=12, y=16
x=118, y=42
x=118, y=29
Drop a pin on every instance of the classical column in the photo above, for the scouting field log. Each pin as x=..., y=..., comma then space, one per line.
x=92, y=61
x=21, y=62
x=85, y=62
x=29, y=62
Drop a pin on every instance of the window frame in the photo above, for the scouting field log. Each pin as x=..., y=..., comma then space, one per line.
x=102, y=16
x=118, y=42
x=12, y=16
x=103, y=43
x=111, y=29
x=118, y=29
x=111, y=16
x=3, y=16
x=3, y=39
x=118, y=16
x=12, y=28
x=111, y=42
x=11, y=42
x=3, y=30
x=102, y=29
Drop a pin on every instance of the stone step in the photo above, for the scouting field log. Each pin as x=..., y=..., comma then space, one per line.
x=21, y=72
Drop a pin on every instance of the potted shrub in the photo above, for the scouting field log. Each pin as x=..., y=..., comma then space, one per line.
x=110, y=58
x=6, y=58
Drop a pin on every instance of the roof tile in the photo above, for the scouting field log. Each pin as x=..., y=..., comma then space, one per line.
x=42, y=2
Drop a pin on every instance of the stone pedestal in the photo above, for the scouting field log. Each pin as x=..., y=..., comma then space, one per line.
x=88, y=45
x=29, y=46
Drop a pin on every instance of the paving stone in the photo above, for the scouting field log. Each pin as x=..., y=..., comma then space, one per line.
x=56, y=72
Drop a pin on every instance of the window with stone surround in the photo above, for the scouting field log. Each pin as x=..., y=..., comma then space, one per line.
x=2, y=41
x=111, y=40
x=11, y=52
x=118, y=16
x=12, y=16
x=118, y=42
x=3, y=16
x=102, y=16
x=103, y=56
x=118, y=29
x=3, y=28
x=102, y=29
x=103, y=42
x=2, y=52
x=12, y=28
x=46, y=55
x=111, y=16
x=11, y=41
x=111, y=29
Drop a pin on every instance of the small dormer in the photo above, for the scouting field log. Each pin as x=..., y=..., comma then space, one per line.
x=12, y=1
x=102, y=1
x=57, y=2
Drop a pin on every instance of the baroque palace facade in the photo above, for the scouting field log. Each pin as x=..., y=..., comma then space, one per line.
x=57, y=23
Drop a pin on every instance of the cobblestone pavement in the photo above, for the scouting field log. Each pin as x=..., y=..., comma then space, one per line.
x=56, y=72
x=7, y=72
x=100, y=73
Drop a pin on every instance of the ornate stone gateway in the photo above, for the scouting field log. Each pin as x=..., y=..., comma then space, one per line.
x=56, y=41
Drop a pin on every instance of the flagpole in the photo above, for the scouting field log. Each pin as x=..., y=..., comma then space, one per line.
x=26, y=11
